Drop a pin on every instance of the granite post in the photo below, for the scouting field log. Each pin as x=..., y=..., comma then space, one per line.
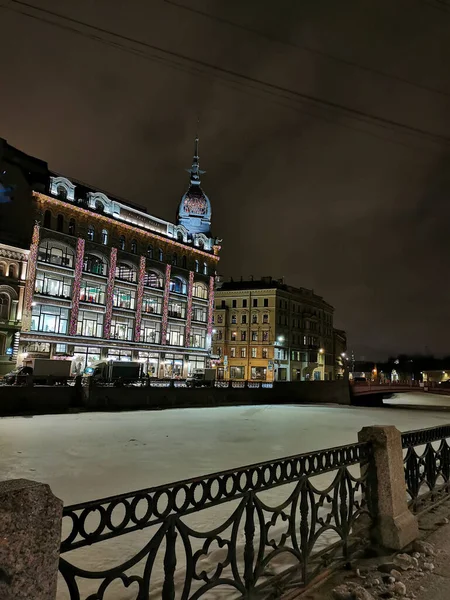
x=30, y=536
x=394, y=526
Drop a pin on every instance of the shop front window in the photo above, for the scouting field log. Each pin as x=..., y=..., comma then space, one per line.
x=124, y=298
x=50, y=319
x=154, y=280
x=52, y=285
x=94, y=264
x=125, y=273
x=150, y=331
x=199, y=314
x=150, y=363
x=151, y=304
x=173, y=366
x=237, y=372
x=178, y=285
x=195, y=363
x=55, y=255
x=84, y=357
x=177, y=310
x=200, y=290
x=90, y=324
x=259, y=373
x=198, y=338
x=90, y=292
x=121, y=328
x=175, y=335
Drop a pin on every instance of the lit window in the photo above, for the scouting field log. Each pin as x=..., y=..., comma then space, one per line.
x=233, y=319
x=150, y=252
x=197, y=266
x=243, y=336
x=233, y=352
x=243, y=352
x=205, y=269
x=265, y=353
x=104, y=237
x=90, y=233
x=254, y=352
x=122, y=242
x=254, y=336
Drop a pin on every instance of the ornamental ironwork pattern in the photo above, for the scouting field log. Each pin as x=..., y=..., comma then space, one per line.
x=254, y=543
x=427, y=465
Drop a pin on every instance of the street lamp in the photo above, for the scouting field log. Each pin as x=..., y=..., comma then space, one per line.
x=321, y=350
x=280, y=338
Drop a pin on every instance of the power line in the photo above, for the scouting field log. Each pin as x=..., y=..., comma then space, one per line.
x=272, y=88
x=311, y=50
x=230, y=83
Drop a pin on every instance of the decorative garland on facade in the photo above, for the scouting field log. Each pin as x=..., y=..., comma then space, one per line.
x=165, y=314
x=76, y=287
x=211, y=304
x=187, y=341
x=110, y=293
x=31, y=274
x=140, y=297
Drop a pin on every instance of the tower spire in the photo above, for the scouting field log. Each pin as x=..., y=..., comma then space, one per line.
x=195, y=170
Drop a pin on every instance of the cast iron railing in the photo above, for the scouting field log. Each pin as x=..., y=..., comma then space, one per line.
x=427, y=466
x=260, y=537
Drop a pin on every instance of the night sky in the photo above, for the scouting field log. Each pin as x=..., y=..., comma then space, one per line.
x=357, y=211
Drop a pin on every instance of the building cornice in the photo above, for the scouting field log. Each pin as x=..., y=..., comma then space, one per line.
x=121, y=225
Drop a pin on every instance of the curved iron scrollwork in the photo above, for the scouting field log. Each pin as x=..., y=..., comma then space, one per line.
x=255, y=543
x=427, y=467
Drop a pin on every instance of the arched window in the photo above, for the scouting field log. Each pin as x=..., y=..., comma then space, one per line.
x=4, y=306
x=153, y=279
x=197, y=266
x=205, y=269
x=175, y=259
x=184, y=262
x=125, y=272
x=72, y=227
x=48, y=219
x=133, y=246
x=12, y=271
x=104, y=237
x=150, y=251
x=201, y=244
x=62, y=192
x=122, y=242
x=200, y=290
x=179, y=236
x=60, y=223
x=160, y=255
x=94, y=264
x=91, y=233
x=178, y=285
x=99, y=206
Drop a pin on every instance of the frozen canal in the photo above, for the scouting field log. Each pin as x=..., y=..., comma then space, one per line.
x=88, y=456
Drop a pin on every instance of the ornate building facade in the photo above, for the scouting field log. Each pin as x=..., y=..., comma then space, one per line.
x=266, y=330
x=13, y=268
x=106, y=280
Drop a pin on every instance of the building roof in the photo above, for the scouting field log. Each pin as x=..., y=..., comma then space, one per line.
x=269, y=283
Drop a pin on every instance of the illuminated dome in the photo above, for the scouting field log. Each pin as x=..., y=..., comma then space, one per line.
x=194, y=211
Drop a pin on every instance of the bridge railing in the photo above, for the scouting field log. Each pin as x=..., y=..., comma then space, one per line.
x=241, y=530
x=427, y=466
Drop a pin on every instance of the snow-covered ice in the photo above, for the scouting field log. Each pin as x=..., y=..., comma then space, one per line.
x=93, y=455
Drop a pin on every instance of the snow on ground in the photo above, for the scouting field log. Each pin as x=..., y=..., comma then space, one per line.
x=93, y=455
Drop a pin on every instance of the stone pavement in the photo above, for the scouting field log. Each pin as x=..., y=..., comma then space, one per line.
x=421, y=572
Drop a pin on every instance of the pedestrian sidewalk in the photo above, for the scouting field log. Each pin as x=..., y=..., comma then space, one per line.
x=420, y=572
